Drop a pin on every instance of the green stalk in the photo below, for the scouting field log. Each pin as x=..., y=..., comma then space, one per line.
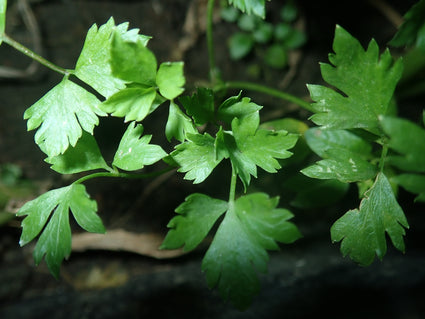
x=232, y=192
x=266, y=90
x=210, y=41
x=122, y=175
x=23, y=49
x=383, y=156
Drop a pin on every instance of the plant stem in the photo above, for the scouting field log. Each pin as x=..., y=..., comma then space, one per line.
x=232, y=192
x=210, y=41
x=23, y=49
x=383, y=156
x=266, y=90
x=122, y=175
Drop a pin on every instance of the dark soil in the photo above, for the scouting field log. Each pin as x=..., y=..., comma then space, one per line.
x=306, y=279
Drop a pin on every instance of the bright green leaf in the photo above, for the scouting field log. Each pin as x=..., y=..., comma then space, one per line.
x=197, y=215
x=178, y=124
x=132, y=61
x=133, y=103
x=366, y=80
x=200, y=105
x=84, y=156
x=93, y=65
x=362, y=231
x=237, y=107
x=197, y=157
x=170, y=79
x=413, y=183
x=55, y=240
x=134, y=151
x=61, y=115
x=257, y=7
x=238, y=250
x=240, y=44
x=3, y=5
x=407, y=139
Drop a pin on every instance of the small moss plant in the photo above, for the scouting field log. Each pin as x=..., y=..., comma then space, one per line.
x=356, y=133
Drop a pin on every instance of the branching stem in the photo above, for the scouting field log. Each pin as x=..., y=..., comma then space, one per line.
x=264, y=89
x=23, y=49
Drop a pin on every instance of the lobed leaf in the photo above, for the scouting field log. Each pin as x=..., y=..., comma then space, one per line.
x=55, y=240
x=133, y=103
x=61, y=115
x=407, y=140
x=197, y=157
x=238, y=250
x=238, y=107
x=197, y=215
x=134, y=151
x=84, y=156
x=200, y=106
x=93, y=65
x=365, y=82
x=362, y=231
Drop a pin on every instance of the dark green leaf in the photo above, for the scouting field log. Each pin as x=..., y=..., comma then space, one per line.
x=84, y=156
x=248, y=22
x=240, y=44
x=366, y=82
x=238, y=250
x=229, y=14
x=362, y=231
x=235, y=107
x=263, y=33
x=133, y=103
x=170, y=79
x=134, y=151
x=276, y=56
x=289, y=12
x=197, y=215
x=55, y=240
x=61, y=115
x=407, y=139
x=412, y=31
x=178, y=124
x=200, y=105
x=413, y=183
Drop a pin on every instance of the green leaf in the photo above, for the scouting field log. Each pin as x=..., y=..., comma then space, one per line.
x=366, y=82
x=238, y=107
x=257, y=7
x=197, y=215
x=3, y=5
x=229, y=14
x=61, y=115
x=412, y=31
x=263, y=147
x=134, y=103
x=132, y=61
x=178, y=124
x=93, y=65
x=362, y=231
x=170, y=79
x=238, y=251
x=200, y=106
x=407, y=139
x=240, y=44
x=276, y=56
x=413, y=183
x=197, y=157
x=55, y=240
x=134, y=151
x=84, y=156
x=263, y=33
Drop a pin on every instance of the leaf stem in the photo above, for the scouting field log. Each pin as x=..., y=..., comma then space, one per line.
x=23, y=49
x=264, y=89
x=232, y=191
x=210, y=41
x=122, y=175
x=383, y=156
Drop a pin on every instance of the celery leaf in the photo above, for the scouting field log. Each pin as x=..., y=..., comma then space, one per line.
x=257, y=7
x=170, y=79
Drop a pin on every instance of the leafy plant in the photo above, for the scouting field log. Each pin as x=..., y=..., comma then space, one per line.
x=358, y=137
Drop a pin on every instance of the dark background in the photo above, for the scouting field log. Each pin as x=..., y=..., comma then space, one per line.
x=306, y=279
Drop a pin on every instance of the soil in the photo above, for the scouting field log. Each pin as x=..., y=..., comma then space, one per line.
x=308, y=278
